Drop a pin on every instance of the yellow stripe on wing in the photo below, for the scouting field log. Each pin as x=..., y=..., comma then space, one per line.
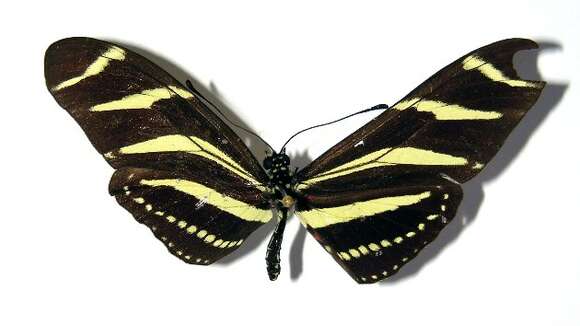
x=322, y=217
x=143, y=100
x=388, y=157
x=210, y=196
x=192, y=145
x=447, y=111
x=95, y=68
x=491, y=72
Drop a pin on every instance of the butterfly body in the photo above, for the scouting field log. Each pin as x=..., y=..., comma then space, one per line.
x=373, y=201
x=281, y=186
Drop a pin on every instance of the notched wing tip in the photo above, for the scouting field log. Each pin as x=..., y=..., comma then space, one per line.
x=517, y=44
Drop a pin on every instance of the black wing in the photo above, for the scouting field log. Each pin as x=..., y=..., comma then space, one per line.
x=448, y=127
x=180, y=169
x=377, y=224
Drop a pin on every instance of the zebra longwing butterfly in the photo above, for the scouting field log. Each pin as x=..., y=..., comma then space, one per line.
x=373, y=201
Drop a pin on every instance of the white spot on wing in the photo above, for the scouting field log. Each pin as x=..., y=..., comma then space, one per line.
x=202, y=202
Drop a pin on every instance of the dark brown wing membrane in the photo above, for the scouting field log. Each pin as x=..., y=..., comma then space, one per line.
x=180, y=169
x=453, y=123
x=379, y=224
x=200, y=219
x=121, y=99
x=444, y=131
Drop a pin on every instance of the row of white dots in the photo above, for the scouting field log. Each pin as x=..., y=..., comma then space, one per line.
x=191, y=229
x=363, y=250
x=420, y=227
x=375, y=276
x=180, y=253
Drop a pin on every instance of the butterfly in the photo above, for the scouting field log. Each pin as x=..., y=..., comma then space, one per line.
x=373, y=201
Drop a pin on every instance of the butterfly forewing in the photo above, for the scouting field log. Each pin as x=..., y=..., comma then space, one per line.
x=161, y=137
x=451, y=125
x=130, y=108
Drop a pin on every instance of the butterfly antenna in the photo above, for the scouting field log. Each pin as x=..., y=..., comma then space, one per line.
x=198, y=94
x=374, y=108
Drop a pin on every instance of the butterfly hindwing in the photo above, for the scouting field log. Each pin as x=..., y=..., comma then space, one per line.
x=152, y=129
x=374, y=227
x=451, y=125
x=199, y=218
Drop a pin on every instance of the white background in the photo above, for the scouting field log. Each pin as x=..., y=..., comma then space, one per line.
x=71, y=256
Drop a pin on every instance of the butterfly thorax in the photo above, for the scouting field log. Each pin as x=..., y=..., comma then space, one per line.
x=277, y=166
x=281, y=180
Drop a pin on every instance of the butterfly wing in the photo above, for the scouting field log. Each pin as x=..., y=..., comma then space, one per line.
x=449, y=127
x=379, y=223
x=179, y=168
